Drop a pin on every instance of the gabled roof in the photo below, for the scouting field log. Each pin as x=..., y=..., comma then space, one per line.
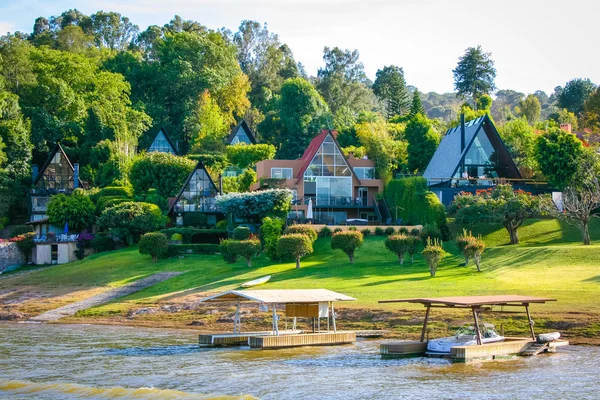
x=279, y=296
x=448, y=156
x=201, y=166
x=57, y=148
x=242, y=125
x=166, y=135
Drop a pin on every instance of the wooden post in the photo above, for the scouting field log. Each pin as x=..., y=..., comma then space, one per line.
x=328, y=305
x=530, y=321
x=236, y=319
x=477, y=326
x=294, y=324
x=275, y=327
x=333, y=318
x=425, y=323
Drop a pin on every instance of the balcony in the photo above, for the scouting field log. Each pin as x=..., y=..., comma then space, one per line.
x=337, y=201
x=204, y=205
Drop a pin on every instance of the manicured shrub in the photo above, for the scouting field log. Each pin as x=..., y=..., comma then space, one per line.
x=403, y=231
x=348, y=242
x=402, y=244
x=246, y=155
x=245, y=249
x=307, y=230
x=430, y=232
x=366, y=232
x=176, y=237
x=295, y=245
x=128, y=221
x=222, y=224
x=77, y=211
x=195, y=219
x=462, y=242
x=24, y=243
x=197, y=236
x=104, y=241
x=153, y=197
x=155, y=244
x=241, y=233
x=114, y=191
x=379, y=231
x=162, y=171
x=389, y=230
x=352, y=228
x=415, y=232
x=336, y=230
x=475, y=249
x=227, y=252
x=105, y=202
x=270, y=231
x=257, y=205
x=325, y=231
x=203, y=248
x=433, y=253
x=411, y=200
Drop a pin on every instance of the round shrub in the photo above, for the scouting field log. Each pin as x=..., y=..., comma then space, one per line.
x=430, y=232
x=433, y=254
x=105, y=202
x=195, y=219
x=115, y=191
x=325, y=232
x=352, y=228
x=245, y=249
x=155, y=244
x=221, y=224
x=270, y=231
x=176, y=237
x=366, y=232
x=226, y=248
x=241, y=233
x=401, y=244
x=389, y=230
x=336, y=230
x=415, y=231
x=379, y=231
x=348, y=242
x=128, y=221
x=162, y=171
x=295, y=245
x=103, y=242
x=77, y=211
x=307, y=230
x=403, y=230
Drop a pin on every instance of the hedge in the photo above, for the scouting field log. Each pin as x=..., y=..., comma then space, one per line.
x=193, y=249
x=413, y=201
x=197, y=236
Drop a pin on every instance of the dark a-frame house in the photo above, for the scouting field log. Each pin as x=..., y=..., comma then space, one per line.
x=162, y=143
x=241, y=134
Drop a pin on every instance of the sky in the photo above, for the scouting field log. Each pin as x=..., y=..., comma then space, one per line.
x=536, y=44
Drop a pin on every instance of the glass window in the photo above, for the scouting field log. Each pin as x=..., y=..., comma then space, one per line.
x=282, y=173
x=365, y=172
x=161, y=144
x=58, y=175
x=199, y=194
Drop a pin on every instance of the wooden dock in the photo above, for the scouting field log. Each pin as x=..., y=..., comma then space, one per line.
x=236, y=339
x=304, y=339
x=403, y=348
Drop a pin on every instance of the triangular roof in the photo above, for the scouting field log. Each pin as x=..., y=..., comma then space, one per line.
x=244, y=126
x=57, y=148
x=448, y=156
x=313, y=148
x=200, y=166
x=168, y=139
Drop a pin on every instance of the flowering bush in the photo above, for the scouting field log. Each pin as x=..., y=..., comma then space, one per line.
x=24, y=243
x=433, y=253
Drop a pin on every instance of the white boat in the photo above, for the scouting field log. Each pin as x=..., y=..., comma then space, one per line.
x=465, y=336
x=256, y=282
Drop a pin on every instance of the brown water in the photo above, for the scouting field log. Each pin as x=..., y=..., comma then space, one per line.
x=83, y=361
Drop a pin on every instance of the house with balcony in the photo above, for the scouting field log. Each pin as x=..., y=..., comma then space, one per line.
x=162, y=143
x=340, y=188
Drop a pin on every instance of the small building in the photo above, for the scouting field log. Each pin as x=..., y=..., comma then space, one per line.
x=241, y=134
x=198, y=195
x=54, y=252
x=339, y=188
x=162, y=143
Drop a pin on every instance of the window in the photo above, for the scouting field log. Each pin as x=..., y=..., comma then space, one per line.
x=481, y=159
x=365, y=172
x=58, y=175
x=282, y=173
x=199, y=194
x=161, y=144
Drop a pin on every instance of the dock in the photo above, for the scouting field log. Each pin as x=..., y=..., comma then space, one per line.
x=304, y=339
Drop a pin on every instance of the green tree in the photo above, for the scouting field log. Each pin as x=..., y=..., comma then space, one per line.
x=422, y=142
x=294, y=245
x=591, y=112
x=574, y=94
x=129, y=220
x=76, y=210
x=112, y=30
x=304, y=229
x=155, y=244
x=244, y=155
x=402, y=244
x=390, y=87
x=387, y=154
x=519, y=138
x=74, y=40
x=416, y=106
x=207, y=126
x=162, y=171
x=246, y=249
x=348, y=242
x=530, y=108
x=474, y=74
x=557, y=153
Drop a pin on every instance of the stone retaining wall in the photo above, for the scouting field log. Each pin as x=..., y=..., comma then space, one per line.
x=10, y=256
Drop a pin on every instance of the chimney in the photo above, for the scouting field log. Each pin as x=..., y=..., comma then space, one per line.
x=34, y=172
x=566, y=127
x=350, y=155
x=462, y=132
x=75, y=176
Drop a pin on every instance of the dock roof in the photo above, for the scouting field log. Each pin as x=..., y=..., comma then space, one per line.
x=471, y=301
x=279, y=296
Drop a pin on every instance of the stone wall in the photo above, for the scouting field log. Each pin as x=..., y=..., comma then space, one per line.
x=10, y=256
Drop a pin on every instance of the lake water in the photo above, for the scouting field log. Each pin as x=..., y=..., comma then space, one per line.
x=83, y=361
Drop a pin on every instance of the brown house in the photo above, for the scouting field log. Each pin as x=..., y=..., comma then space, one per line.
x=340, y=188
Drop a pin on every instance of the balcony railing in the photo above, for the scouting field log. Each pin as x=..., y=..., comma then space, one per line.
x=205, y=205
x=485, y=182
x=336, y=201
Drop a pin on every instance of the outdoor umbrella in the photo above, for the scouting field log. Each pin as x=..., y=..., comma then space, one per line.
x=309, y=210
x=66, y=230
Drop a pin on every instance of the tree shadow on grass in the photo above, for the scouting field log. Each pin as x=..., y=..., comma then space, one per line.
x=593, y=279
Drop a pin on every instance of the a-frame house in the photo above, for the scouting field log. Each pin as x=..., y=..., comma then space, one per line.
x=162, y=143
x=241, y=134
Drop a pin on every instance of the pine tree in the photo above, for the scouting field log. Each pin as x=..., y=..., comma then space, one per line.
x=417, y=106
x=390, y=87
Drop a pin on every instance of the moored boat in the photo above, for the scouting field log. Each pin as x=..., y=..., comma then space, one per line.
x=464, y=336
x=256, y=282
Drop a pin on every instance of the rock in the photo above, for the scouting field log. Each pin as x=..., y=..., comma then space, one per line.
x=142, y=311
x=11, y=315
x=171, y=308
x=190, y=306
x=225, y=320
x=197, y=323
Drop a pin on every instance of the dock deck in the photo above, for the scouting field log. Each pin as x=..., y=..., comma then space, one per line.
x=237, y=339
x=304, y=339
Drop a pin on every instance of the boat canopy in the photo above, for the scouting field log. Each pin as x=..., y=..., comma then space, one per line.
x=473, y=301
x=279, y=296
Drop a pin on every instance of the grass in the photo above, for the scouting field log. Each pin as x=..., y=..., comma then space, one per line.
x=549, y=261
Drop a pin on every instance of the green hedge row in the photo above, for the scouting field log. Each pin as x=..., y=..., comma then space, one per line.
x=197, y=236
x=413, y=202
x=175, y=249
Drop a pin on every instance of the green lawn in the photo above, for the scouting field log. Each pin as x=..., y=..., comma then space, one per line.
x=549, y=261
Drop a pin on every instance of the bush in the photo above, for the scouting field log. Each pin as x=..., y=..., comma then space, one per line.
x=379, y=231
x=222, y=224
x=433, y=254
x=474, y=249
x=352, y=228
x=366, y=232
x=77, y=211
x=155, y=244
x=195, y=219
x=84, y=241
x=175, y=249
x=246, y=249
x=430, y=232
x=20, y=229
x=241, y=233
x=176, y=237
x=105, y=202
x=24, y=243
x=389, y=231
x=114, y=191
x=257, y=205
x=462, y=241
x=197, y=236
x=295, y=245
x=162, y=171
x=415, y=232
x=307, y=230
x=270, y=232
x=128, y=221
x=226, y=248
x=336, y=230
x=325, y=232
x=103, y=242
x=152, y=197
x=413, y=202
x=348, y=242
x=401, y=244
x=403, y=231
x=246, y=155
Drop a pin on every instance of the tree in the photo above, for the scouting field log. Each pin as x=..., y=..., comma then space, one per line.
x=244, y=155
x=207, y=126
x=422, y=142
x=416, y=106
x=246, y=249
x=475, y=249
x=112, y=30
x=387, y=154
x=433, y=253
x=591, y=112
x=129, y=220
x=562, y=116
x=303, y=229
x=519, y=138
x=390, y=87
x=257, y=205
x=162, y=171
x=295, y=245
x=270, y=232
x=557, y=153
x=155, y=244
x=474, y=74
x=500, y=204
x=530, y=109
x=574, y=94
x=74, y=39
x=76, y=210
x=401, y=244
x=348, y=242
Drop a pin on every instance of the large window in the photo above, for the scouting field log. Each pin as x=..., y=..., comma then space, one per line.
x=58, y=175
x=161, y=144
x=199, y=194
x=241, y=137
x=365, y=172
x=481, y=159
x=282, y=173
